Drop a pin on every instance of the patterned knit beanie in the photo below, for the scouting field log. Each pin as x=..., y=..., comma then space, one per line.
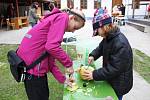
x=101, y=18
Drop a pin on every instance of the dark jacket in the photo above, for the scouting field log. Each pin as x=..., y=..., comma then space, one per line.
x=117, y=62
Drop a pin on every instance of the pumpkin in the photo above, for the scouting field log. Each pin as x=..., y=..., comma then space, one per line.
x=82, y=69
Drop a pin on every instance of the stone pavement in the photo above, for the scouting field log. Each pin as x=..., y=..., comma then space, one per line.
x=137, y=39
x=140, y=41
x=12, y=36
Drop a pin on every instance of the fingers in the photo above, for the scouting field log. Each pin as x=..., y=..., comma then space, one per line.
x=71, y=79
x=68, y=83
x=87, y=75
x=87, y=71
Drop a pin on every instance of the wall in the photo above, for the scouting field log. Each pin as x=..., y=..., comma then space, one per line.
x=22, y=10
x=3, y=9
x=88, y=12
x=108, y=5
x=115, y=2
x=139, y=13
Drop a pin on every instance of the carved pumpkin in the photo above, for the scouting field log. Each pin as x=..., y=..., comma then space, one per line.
x=82, y=69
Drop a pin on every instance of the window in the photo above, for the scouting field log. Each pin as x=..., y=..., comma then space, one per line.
x=96, y=4
x=83, y=4
x=70, y=4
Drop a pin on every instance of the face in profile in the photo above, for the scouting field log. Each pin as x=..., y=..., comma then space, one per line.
x=74, y=24
x=101, y=32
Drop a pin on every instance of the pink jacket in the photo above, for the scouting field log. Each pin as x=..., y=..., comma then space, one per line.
x=46, y=36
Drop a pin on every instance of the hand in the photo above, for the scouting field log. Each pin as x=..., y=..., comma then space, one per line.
x=68, y=82
x=87, y=75
x=90, y=59
x=70, y=70
x=72, y=79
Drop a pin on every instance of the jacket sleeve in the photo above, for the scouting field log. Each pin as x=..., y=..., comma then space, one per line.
x=58, y=74
x=54, y=39
x=116, y=65
x=54, y=69
x=98, y=52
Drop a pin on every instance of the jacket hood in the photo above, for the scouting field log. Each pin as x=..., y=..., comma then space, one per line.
x=54, y=11
x=113, y=34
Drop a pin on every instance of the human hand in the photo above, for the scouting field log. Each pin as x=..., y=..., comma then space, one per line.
x=90, y=59
x=87, y=75
x=68, y=82
x=71, y=78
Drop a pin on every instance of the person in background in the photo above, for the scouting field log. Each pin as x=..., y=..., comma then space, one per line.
x=116, y=9
x=52, y=5
x=148, y=10
x=10, y=11
x=122, y=9
x=116, y=12
x=49, y=6
x=105, y=10
x=33, y=17
x=47, y=36
x=117, y=56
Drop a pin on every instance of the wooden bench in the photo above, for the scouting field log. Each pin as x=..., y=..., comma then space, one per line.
x=20, y=22
x=10, y=23
x=24, y=21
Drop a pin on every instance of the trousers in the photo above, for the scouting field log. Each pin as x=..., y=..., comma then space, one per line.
x=36, y=87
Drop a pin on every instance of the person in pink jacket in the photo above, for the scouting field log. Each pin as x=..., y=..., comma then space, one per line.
x=47, y=36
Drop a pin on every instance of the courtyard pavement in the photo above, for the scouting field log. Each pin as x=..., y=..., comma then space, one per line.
x=137, y=39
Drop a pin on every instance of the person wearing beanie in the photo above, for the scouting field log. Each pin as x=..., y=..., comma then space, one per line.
x=117, y=55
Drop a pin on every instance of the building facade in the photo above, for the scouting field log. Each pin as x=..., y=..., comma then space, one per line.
x=87, y=6
x=140, y=10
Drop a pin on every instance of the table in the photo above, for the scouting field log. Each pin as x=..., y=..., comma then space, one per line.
x=95, y=90
x=20, y=22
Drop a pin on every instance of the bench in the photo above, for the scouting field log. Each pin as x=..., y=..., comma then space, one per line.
x=141, y=27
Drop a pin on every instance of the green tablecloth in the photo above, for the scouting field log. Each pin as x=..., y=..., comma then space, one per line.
x=95, y=90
